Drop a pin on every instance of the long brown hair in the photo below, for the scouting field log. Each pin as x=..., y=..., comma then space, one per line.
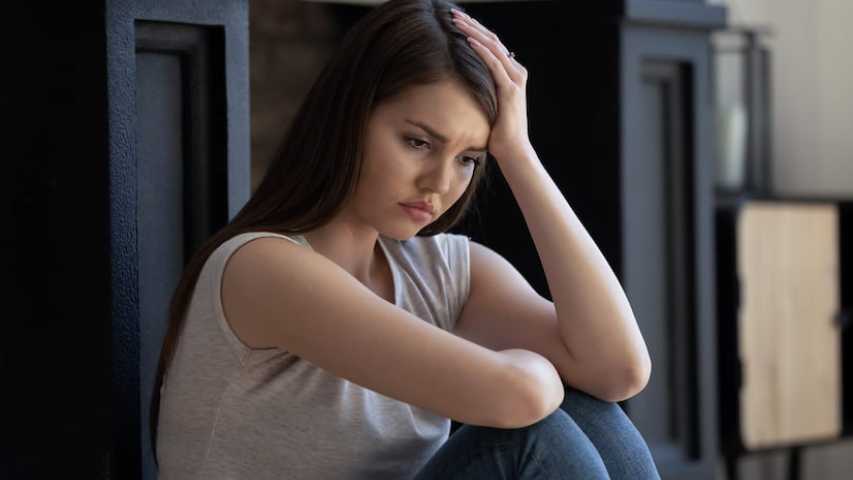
x=396, y=45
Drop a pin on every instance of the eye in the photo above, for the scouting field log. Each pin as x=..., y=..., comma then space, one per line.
x=473, y=160
x=466, y=160
x=410, y=139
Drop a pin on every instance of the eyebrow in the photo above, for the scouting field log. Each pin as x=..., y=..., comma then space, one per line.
x=443, y=139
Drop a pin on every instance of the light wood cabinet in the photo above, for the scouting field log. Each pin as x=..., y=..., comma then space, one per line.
x=789, y=343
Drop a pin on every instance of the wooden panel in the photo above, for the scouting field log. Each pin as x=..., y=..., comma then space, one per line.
x=789, y=344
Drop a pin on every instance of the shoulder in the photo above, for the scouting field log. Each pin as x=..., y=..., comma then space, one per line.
x=266, y=242
x=246, y=255
x=486, y=261
x=489, y=270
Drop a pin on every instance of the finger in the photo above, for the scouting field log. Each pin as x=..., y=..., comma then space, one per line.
x=511, y=66
x=497, y=67
x=474, y=24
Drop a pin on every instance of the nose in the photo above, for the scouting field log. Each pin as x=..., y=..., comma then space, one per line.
x=441, y=175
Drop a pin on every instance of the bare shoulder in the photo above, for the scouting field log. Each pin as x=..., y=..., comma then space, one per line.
x=253, y=267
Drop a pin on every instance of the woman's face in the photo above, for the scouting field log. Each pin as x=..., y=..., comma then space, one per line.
x=405, y=162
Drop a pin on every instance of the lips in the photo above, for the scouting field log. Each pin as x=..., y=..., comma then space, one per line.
x=417, y=214
x=420, y=206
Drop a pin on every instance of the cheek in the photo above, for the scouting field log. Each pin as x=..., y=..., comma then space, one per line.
x=463, y=185
x=382, y=163
x=466, y=176
x=387, y=176
x=402, y=166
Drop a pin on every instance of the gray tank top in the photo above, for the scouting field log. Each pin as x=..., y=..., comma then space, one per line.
x=228, y=411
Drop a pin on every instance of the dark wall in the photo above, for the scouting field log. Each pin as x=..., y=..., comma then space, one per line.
x=54, y=360
x=108, y=188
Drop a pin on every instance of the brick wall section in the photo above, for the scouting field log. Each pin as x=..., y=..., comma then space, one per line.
x=290, y=42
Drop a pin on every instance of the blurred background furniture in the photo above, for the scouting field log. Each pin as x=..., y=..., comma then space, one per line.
x=784, y=297
x=783, y=279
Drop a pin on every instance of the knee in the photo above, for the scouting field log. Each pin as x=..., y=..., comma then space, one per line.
x=558, y=425
x=556, y=421
x=579, y=399
x=612, y=432
x=562, y=447
x=588, y=410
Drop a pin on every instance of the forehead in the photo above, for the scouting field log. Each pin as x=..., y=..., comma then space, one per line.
x=445, y=106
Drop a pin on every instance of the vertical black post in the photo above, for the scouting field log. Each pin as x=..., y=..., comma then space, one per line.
x=177, y=157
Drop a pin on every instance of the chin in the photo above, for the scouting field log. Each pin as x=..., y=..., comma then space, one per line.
x=402, y=229
x=401, y=234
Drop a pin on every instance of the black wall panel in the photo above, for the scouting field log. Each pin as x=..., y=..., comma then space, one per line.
x=667, y=180
x=179, y=168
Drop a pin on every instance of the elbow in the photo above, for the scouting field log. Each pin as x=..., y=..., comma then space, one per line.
x=534, y=400
x=547, y=398
x=518, y=409
x=631, y=384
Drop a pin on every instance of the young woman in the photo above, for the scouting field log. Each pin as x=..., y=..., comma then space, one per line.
x=317, y=337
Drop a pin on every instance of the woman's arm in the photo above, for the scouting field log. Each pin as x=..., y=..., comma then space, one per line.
x=596, y=321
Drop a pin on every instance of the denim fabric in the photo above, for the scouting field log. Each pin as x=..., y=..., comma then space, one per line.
x=586, y=438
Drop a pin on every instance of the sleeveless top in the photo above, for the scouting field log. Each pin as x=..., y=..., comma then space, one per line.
x=228, y=411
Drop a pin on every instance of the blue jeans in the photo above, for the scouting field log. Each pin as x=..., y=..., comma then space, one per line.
x=586, y=438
